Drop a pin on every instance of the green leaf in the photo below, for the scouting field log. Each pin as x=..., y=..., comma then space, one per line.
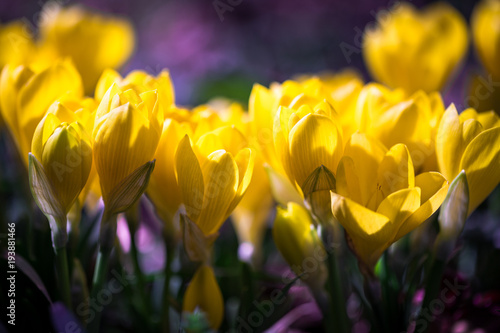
x=452, y=216
x=44, y=195
x=130, y=189
x=195, y=242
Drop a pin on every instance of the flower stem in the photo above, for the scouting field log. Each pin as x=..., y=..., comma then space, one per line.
x=433, y=285
x=63, y=276
x=133, y=221
x=101, y=268
x=169, y=257
x=106, y=241
x=337, y=303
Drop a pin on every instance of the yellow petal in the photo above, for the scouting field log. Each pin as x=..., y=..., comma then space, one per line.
x=348, y=181
x=123, y=141
x=40, y=92
x=433, y=191
x=283, y=191
x=245, y=160
x=366, y=153
x=189, y=179
x=108, y=77
x=481, y=162
x=251, y=215
x=281, y=140
x=67, y=159
x=296, y=240
x=449, y=143
x=232, y=139
x=163, y=188
x=484, y=23
x=396, y=171
x=314, y=141
x=11, y=81
x=203, y=293
x=370, y=232
x=488, y=119
x=93, y=41
x=399, y=205
x=220, y=174
x=42, y=133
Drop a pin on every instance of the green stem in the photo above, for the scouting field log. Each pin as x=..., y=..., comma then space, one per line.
x=133, y=221
x=169, y=257
x=101, y=268
x=373, y=292
x=323, y=302
x=389, y=295
x=337, y=302
x=433, y=285
x=106, y=242
x=63, y=276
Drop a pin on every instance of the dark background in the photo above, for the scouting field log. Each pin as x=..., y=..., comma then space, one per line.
x=251, y=41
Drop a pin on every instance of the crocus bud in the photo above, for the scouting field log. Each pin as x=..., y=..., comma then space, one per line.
x=299, y=244
x=452, y=216
x=126, y=133
x=59, y=167
x=66, y=155
x=316, y=191
x=203, y=293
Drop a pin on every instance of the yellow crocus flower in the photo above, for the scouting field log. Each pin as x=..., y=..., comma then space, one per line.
x=203, y=294
x=140, y=81
x=70, y=109
x=94, y=42
x=126, y=134
x=392, y=117
x=340, y=90
x=298, y=242
x=416, y=49
x=25, y=97
x=485, y=24
x=64, y=150
x=306, y=138
x=213, y=175
x=16, y=43
x=379, y=199
x=470, y=142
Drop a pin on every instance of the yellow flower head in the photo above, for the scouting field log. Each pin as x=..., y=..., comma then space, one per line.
x=251, y=214
x=70, y=109
x=306, y=138
x=379, y=199
x=126, y=133
x=470, y=142
x=391, y=117
x=340, y=90
x=486, y=32
x=298, y=243
x=94, y=42
x=25, y=97
x=203, y=294
x=213, y=174
x=140, y=82
x=16, y=43
x=416, y=50
x=64, y=150
x=163, y=188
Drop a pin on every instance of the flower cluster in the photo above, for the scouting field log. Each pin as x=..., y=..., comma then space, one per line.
x=335, y=153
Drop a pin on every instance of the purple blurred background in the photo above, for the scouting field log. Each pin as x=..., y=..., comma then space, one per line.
x=221, y=47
